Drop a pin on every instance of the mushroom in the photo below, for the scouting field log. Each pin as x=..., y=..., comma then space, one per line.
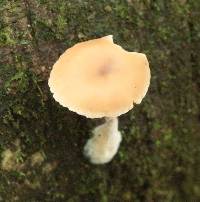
x=105, y=142
x=96, y=79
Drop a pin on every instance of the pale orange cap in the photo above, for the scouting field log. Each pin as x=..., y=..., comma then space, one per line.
x=98, y=78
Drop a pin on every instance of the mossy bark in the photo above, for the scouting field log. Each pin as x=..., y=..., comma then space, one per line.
x=159, y=156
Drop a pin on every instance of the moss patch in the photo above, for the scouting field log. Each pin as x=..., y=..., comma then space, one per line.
x=159, y=156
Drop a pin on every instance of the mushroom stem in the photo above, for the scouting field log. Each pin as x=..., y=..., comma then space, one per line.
x=104, y=143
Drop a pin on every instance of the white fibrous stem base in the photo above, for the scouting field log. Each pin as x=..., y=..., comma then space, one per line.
x=105, y=142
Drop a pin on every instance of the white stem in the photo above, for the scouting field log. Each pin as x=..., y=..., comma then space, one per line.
x=104, y=143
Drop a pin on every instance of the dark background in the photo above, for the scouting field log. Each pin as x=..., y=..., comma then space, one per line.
x=41, y=142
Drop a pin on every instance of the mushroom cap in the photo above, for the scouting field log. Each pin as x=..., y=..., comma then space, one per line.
x=98, y=78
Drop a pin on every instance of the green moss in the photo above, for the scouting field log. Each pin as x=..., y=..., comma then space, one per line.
x=159, y=156
x=6, y=37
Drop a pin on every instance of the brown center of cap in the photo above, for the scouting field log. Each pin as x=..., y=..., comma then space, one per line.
x=105, y=70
